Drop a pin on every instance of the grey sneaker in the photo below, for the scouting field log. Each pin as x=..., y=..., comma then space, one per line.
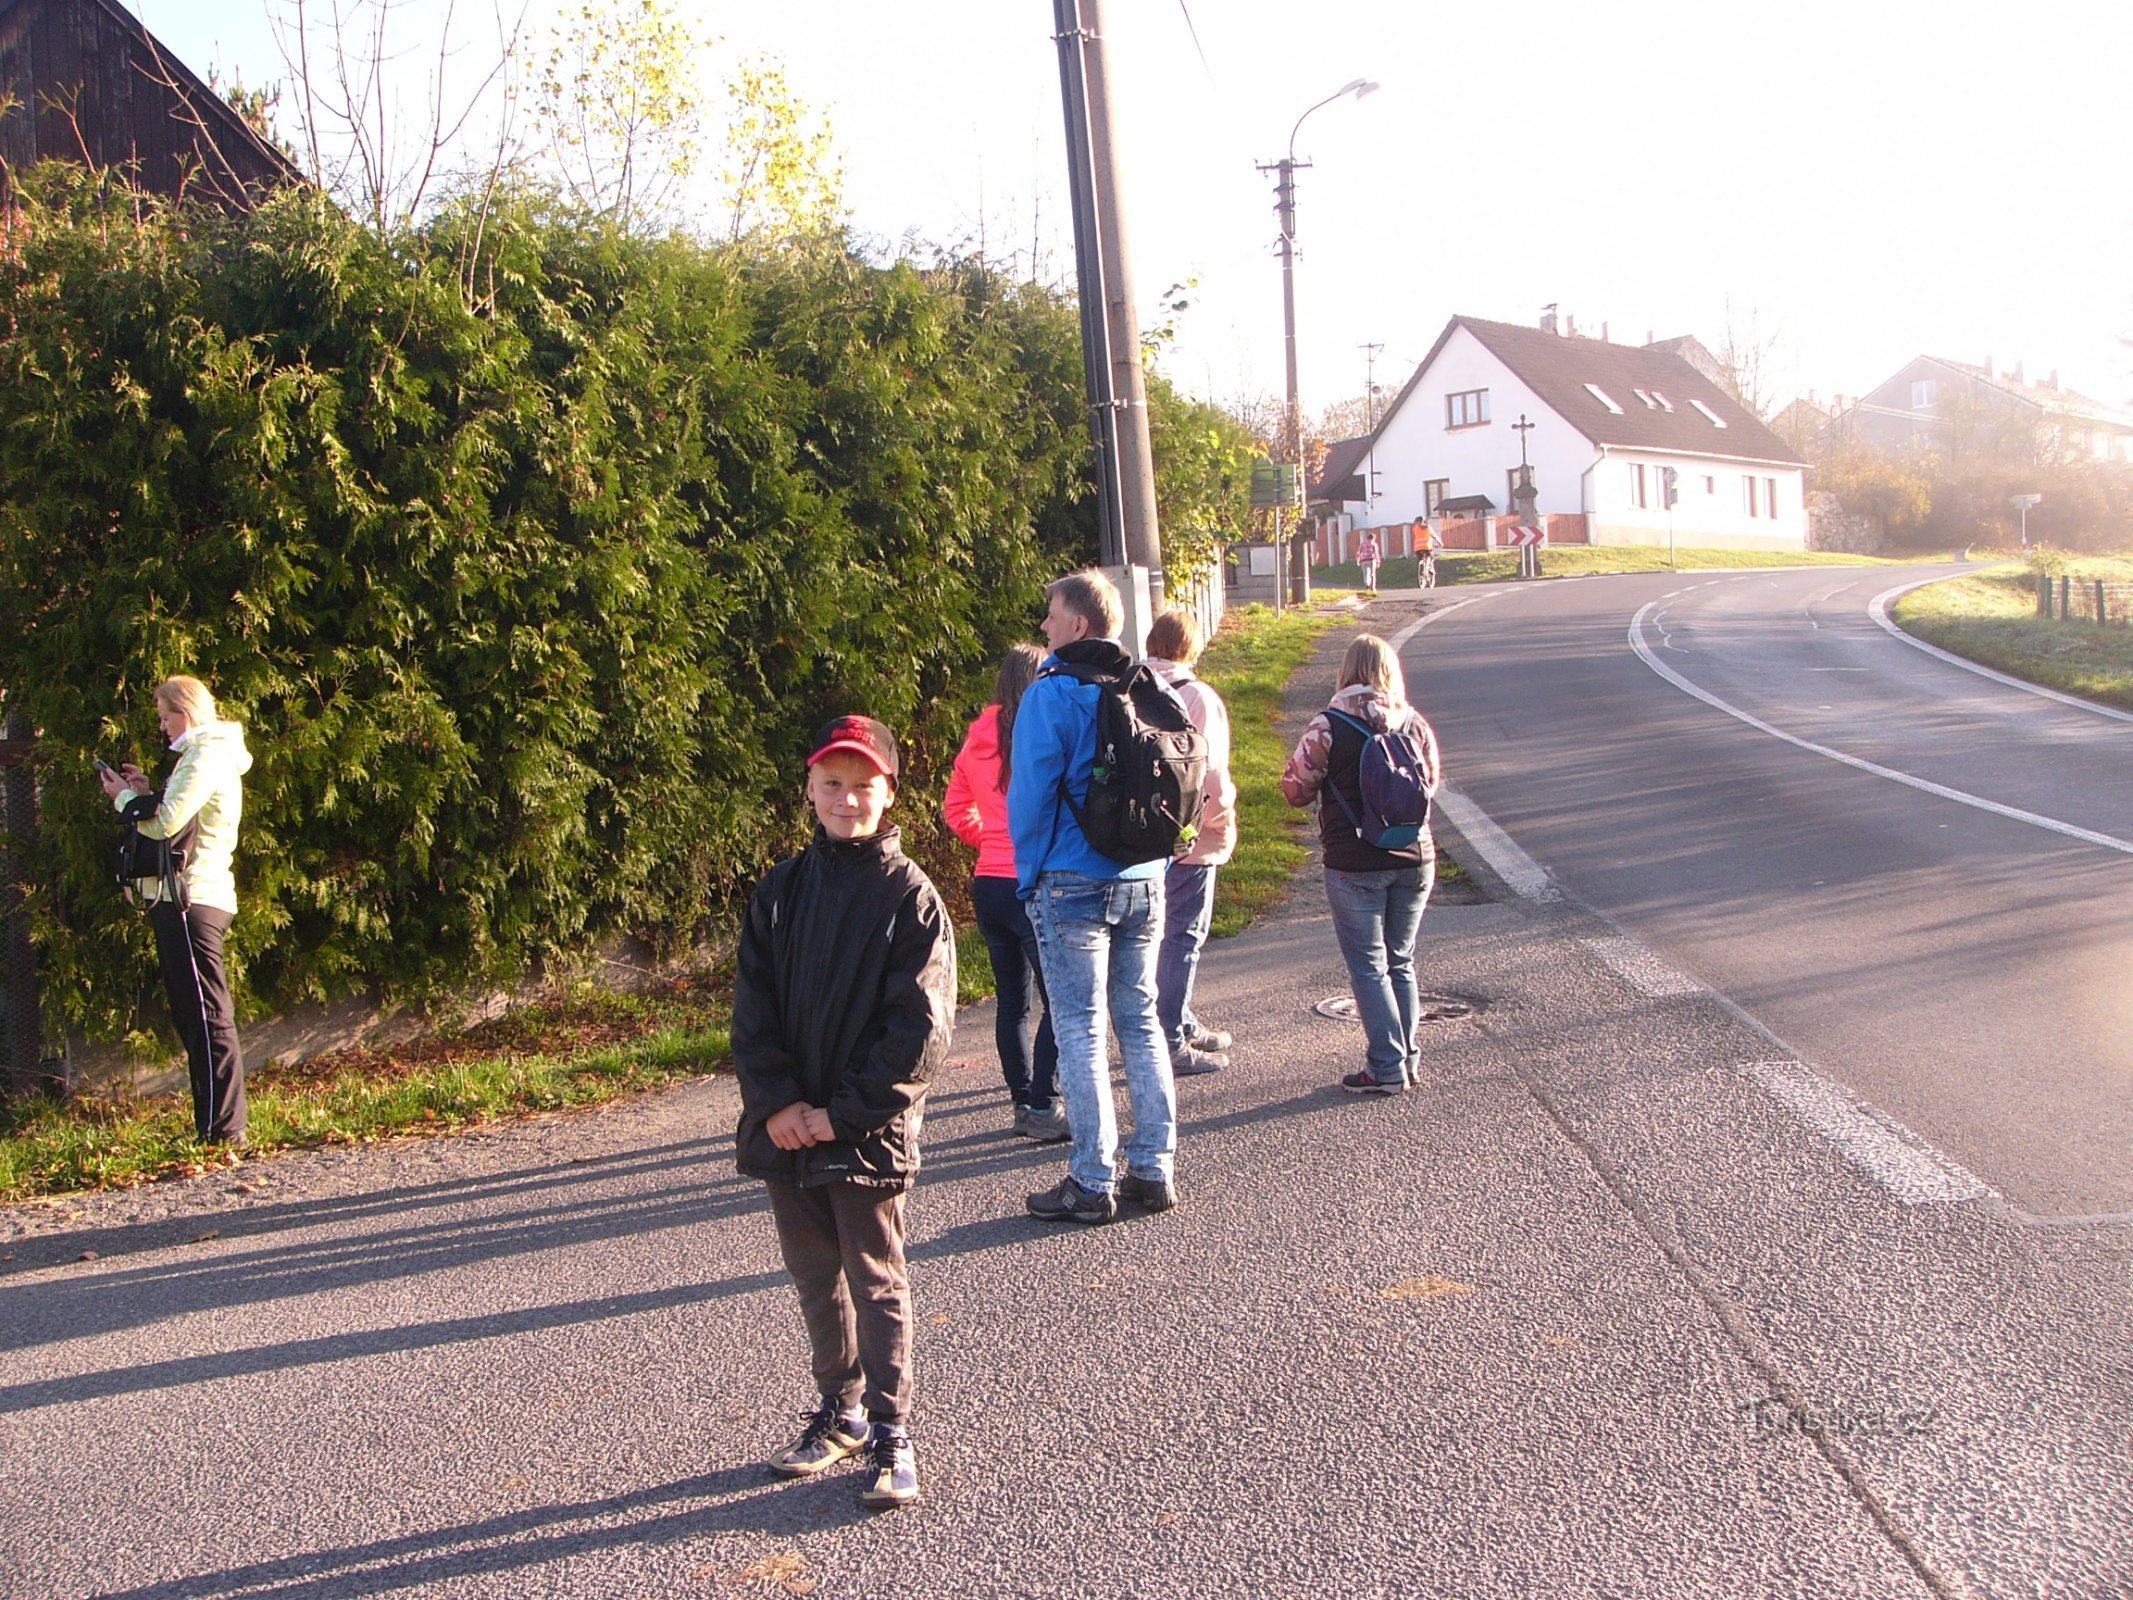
x=1364, y=1083
x=1046, y=1127
x=1068, y=1201
x=1021, y=1127
x=892, y=1470
x=830, y=1436
x=1192, y=1063
x=1153, y=1194
x=1213, y=1040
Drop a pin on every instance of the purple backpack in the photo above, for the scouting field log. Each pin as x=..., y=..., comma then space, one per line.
x=1393, y=776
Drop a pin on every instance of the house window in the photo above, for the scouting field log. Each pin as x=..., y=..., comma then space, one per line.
x=1603, y=397
x=1637, y=494
x=1925, y=394
x=1710, y=484
x=1711, y=416
x=1469, y=408
x=1749, y=485
x=1649, y=403
x=1433, y=493
x=1770, y=497
x=1664, y=403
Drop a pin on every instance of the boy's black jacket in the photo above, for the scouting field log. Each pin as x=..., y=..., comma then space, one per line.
x=845, y=999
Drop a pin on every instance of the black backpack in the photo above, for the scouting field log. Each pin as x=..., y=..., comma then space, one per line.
x=1150, y=777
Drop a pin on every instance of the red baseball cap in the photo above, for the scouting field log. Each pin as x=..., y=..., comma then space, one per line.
x=862, y=736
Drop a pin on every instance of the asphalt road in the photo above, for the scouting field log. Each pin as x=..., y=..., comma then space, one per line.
x=1956, y=948
x=1623, y=1302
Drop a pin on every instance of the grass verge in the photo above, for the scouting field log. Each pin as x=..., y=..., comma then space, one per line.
x=1576, y=561
x=1249, y=665
x=1991, y=618
x=582, y=1048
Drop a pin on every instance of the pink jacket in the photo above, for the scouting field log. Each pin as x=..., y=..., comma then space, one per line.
x=1217, y=840
x=976, y=805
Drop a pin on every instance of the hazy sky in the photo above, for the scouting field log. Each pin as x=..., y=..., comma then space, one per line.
x=1866, y=180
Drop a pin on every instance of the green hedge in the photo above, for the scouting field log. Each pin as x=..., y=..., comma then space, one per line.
x=529, y=554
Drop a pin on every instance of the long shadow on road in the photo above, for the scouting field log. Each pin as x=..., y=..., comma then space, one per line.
x=69, y=1308
x=741, y=1499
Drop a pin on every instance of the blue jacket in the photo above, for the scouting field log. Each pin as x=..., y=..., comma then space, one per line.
x=1055, y=737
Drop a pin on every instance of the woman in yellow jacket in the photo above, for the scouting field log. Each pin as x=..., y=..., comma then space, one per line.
x=206, y=791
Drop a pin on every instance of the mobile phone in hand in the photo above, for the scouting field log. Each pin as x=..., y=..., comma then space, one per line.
x=104, y=766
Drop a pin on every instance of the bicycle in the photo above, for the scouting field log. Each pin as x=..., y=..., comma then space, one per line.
x=1426, y=574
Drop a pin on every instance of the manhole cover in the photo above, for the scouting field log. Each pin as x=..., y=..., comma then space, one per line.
x=1435, y=1007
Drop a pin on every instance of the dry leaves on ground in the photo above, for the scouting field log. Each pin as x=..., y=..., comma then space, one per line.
x=785, y=1571
x=1430, y=1287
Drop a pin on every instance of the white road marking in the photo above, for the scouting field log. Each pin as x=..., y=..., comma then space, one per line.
x=1883, y=1149
x=1878, y=609
x=1646, y=971
x=1524, y=876
x=1399, y=640
x=1890, y=1155
x=1977, y=802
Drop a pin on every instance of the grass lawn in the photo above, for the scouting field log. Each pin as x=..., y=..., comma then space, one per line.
x=1991, y=618
x=1573, y=561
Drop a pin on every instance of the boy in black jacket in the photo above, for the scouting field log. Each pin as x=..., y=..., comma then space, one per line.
x=842, y=1012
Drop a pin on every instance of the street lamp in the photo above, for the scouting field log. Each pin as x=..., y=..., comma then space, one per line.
x=1285, y=211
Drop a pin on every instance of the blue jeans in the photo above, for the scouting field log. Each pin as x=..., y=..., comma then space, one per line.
x=1003, y=924
x=1188, y=908
x=1097, y=937
x=1376, y=916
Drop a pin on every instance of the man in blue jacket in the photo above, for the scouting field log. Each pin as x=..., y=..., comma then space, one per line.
x=1098, y=923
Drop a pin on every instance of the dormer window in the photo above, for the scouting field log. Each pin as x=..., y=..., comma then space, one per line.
x=1664, y=403
x=1603, y=397
x=1649, y=403
x=1715, y=419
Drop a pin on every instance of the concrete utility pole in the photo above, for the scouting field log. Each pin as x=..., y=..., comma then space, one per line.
x=1110, y=329
x=1292, y=411
x=1292, y=418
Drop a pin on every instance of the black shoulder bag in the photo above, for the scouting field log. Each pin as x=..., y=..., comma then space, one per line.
x=161, y=859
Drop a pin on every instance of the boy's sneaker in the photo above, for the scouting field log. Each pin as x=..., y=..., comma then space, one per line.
x=1046, y=1127
x=1191, y=1063
x=830, y=1436
x=892, y=1469
x=1068, y=1201
x=1153, y=1194
x=1213, y=1040
x=1021, y=1127
x=1365, y=1083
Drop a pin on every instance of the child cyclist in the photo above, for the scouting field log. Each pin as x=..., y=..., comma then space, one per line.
x=842, y=1011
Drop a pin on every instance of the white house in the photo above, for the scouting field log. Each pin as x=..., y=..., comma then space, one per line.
x=1607, y=421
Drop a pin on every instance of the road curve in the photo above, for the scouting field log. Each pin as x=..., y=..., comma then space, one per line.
x=1916, y=876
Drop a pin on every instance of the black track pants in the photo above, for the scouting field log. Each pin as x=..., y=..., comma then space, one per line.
x=189, y=950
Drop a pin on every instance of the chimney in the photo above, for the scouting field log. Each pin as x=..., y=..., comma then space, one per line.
x=1649, y=341
x=1603, y=333
x=1570, y=326
x=1988, y=368
x=2052, y=382
x=1548, y=317
x=2016, y=372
